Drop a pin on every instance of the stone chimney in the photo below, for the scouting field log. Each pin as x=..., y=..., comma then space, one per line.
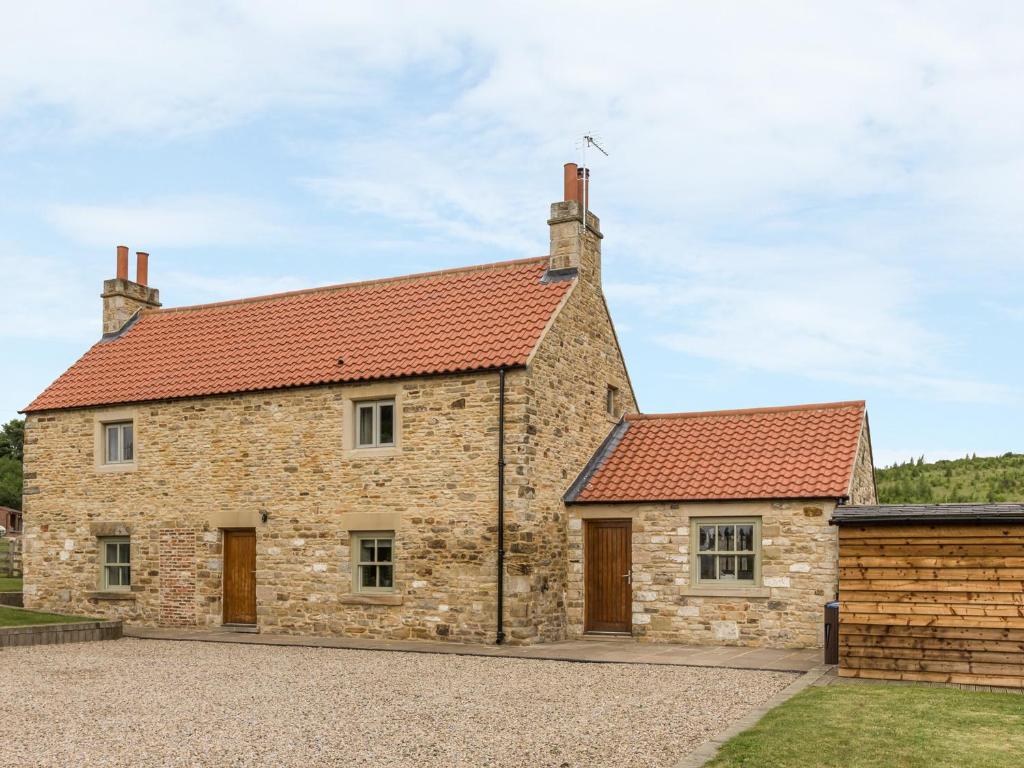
x=574, y=246
x=123, y=298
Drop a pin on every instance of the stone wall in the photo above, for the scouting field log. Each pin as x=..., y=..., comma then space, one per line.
x=218, y=462
x=798, y=574
x=561, y=420
x=862, y=484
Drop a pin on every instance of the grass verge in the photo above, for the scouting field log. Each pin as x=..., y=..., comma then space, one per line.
x=19, y=617
x=883, y=726
x=10, y=584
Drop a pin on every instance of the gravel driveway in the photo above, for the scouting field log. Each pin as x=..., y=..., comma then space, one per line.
x=148, y=703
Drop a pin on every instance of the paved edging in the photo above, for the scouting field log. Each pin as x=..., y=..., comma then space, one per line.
x=529, y=652
x=707, y=751
x=55, y=634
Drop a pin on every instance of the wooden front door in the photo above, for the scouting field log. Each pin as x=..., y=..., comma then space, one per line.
x=240, y=577
x=608, y=559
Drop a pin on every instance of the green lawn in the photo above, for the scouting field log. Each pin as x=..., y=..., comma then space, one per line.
x=18, y=617
x=10, y=584
x=884, y=726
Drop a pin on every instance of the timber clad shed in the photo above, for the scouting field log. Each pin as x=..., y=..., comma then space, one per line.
x=932, y=593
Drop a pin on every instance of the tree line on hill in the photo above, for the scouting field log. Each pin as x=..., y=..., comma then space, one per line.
x=972, y=478
x=12, y=452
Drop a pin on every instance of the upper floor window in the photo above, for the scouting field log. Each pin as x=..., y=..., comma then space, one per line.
x=728, y=552
x=375, y=423
x=116, y=555
x=611, y=401
x=119, y=439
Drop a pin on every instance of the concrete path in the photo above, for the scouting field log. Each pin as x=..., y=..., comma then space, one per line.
x=610, y=651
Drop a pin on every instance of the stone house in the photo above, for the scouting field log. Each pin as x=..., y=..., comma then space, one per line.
x=402, y=458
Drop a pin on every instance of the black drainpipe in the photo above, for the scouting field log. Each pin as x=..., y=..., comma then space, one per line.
x=500, y=638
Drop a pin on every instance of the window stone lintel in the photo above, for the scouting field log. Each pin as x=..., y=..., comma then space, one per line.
x=104, y=530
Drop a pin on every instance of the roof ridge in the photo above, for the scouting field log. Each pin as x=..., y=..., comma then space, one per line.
x=744, y=411
x=347, y=286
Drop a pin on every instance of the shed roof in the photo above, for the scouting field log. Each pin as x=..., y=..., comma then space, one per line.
x=793, y=452
x=925, y=513
x=461, y=320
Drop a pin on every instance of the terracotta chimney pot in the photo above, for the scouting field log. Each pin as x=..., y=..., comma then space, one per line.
x=122, y=262
x=142, y=268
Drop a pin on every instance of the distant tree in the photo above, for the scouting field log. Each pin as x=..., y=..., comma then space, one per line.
x=12, y=452
x=12, y=439
x=10, y=482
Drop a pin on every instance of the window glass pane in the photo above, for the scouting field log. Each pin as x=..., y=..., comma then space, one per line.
x=726, y=538
x=127, y=442
x=124, y=552
x=111, y=553
x=366, y=425
x=387, y=423
x=707, y=538
x=746, y=567
x=113, y=576
x=707, y=566
x=113, y=454
x=726, y=567
x=385, y=575
x=367, y=574
x=745, y=538
x=383, y=550
x=366, y=554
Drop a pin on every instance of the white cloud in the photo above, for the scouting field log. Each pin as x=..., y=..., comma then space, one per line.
x=49, y=301
x=169, y=222
x=873, y=151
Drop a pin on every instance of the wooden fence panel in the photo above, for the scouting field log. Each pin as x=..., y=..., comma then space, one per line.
x=10, y=556
x=932, y=602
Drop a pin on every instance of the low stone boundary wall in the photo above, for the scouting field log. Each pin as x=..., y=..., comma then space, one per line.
x=53, y=634
x=12, y=599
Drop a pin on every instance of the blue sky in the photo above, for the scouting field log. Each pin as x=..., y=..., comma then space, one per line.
x=803, y=202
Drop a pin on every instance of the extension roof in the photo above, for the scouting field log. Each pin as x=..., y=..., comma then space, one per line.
x=473, y=319
x=797, y=452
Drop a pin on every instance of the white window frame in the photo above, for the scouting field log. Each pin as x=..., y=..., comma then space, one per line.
x=695, y=551
x=358, y=564
x=106, y=564
x=119, y=426
x=374, y=406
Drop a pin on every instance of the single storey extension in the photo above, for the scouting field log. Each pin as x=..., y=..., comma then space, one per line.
x=453, y=455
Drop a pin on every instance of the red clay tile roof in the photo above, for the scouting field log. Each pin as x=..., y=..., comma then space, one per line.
x=443, y=322
x=799, y=452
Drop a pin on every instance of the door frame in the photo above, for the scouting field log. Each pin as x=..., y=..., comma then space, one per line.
x=589, y=562
x=225, y=532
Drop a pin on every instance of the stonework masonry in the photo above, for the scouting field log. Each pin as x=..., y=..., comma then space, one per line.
x=560, y=420
x=798, y=574
x=212, y=463
x=122, y=299
x=862, y=483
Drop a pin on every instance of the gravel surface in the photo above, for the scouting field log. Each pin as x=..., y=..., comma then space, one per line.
x=156, y=703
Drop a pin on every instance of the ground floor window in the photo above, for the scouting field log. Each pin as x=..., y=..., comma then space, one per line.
x=373, y=558
x=728, y=551
x=116, y=557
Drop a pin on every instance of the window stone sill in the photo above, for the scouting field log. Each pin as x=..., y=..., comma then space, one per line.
x=110, y=595
x=724, y=592
x=371, y=599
